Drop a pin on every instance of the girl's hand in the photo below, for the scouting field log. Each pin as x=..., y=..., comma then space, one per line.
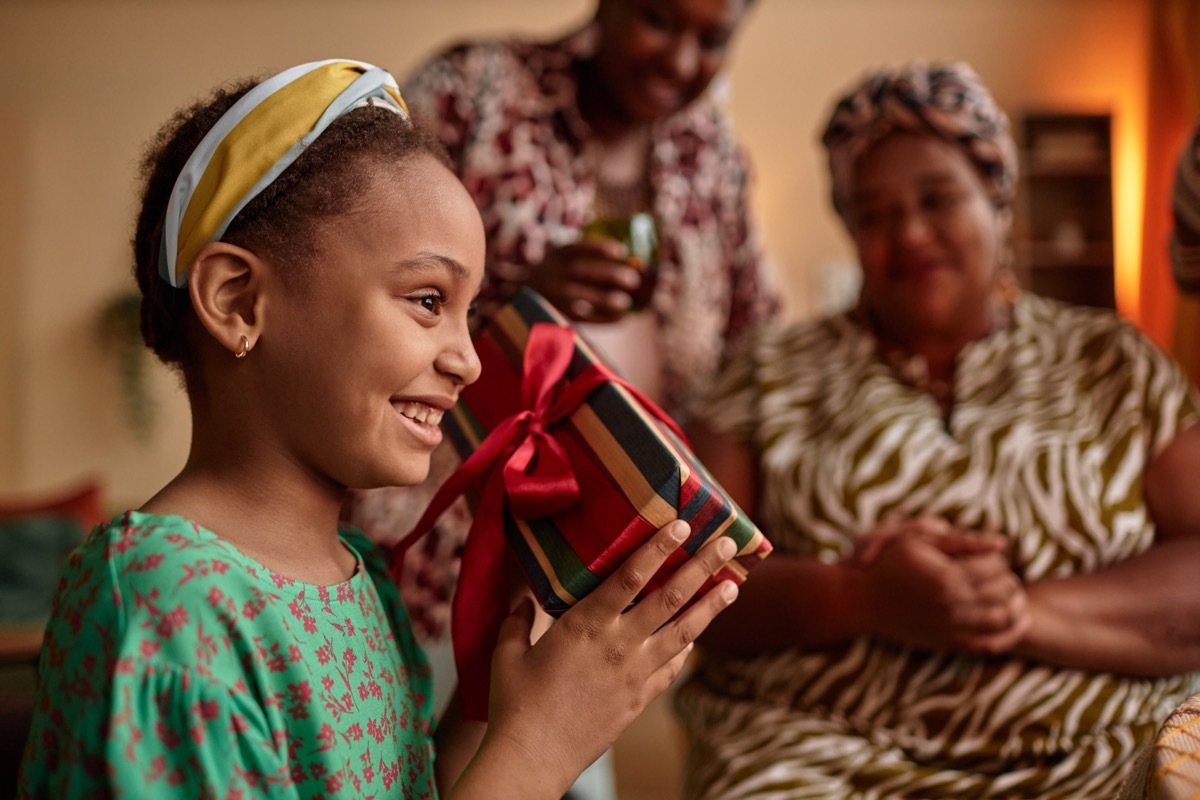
x=562, y=702
x=588, y=281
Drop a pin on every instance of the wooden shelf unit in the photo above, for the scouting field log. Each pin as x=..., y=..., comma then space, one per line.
x=1063, y=231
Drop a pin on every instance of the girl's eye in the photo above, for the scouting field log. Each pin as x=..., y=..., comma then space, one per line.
x=432, y=302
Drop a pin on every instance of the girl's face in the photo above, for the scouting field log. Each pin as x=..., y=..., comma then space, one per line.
x=928, y=237
x=363, y=360
x=656, y=56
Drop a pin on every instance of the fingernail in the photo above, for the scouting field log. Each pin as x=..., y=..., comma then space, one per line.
x=679, y=530
x=729, y=591
x=726, y=547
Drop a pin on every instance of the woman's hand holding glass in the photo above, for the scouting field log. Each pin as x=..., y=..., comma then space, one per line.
x=591, y=280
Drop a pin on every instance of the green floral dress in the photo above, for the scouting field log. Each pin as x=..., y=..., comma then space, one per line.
x=174, y=666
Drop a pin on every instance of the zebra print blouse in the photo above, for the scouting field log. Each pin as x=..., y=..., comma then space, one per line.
x=1054, y=420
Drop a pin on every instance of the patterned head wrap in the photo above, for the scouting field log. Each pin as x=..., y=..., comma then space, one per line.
x=944, y=98
x=254, y=142
x=1185, y=258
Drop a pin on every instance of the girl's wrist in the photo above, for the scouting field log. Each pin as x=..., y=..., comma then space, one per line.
x=507, y=760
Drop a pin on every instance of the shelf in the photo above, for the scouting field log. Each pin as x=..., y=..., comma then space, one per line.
x=1088, y=254
x=1053, y=168
x=1064, y=207
x=1087, y=287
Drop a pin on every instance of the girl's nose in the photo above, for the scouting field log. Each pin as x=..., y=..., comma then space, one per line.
x=460, y=361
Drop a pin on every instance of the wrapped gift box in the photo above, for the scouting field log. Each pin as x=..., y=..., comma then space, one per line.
x=574, y=469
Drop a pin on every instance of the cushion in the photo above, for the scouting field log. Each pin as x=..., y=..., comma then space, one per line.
x=83, y=503
x=32, y=550
x=36, y=533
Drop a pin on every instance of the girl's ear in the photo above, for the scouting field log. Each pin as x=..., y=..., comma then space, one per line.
x=226, y=285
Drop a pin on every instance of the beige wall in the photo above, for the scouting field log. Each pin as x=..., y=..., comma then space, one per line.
x=11, y=339
x=88, y=80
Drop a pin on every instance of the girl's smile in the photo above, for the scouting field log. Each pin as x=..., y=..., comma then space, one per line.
x=424, y=419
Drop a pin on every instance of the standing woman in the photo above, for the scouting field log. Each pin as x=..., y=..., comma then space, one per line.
x=615, y=119
x=983, y=502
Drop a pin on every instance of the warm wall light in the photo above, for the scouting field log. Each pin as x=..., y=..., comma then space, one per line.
x=1117, y=85
x=1129, y=189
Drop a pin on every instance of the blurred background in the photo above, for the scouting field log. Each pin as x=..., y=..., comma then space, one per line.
x=88, y=81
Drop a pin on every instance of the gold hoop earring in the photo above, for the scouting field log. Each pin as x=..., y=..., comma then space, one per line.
x=1007, y=288
x=245, y=348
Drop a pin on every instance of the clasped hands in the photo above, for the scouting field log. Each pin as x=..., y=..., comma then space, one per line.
x=929, y=584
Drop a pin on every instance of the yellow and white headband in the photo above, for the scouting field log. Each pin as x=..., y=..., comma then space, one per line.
x=256, y=140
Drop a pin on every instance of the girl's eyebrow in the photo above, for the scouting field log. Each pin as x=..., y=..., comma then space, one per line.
x=431, y=262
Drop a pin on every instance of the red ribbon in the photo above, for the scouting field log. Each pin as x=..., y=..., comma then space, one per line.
x=522, y=460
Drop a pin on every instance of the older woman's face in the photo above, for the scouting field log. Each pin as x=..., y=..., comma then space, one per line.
x=656, y=56
x=928, y=237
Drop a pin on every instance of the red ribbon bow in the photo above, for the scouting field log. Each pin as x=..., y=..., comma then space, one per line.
x=522, y=460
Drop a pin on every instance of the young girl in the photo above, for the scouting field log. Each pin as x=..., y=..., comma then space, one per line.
x=308, y=263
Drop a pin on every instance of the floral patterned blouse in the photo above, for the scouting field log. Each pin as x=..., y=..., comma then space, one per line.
x=507, y=113
x=174, y=666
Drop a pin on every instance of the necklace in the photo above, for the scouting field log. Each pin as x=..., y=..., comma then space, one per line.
x=913, y=369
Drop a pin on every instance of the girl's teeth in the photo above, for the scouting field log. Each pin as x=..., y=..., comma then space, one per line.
x=419, y=412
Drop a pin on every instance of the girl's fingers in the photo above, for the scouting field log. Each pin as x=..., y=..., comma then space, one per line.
x=619, y=589
x=664, y=676
x=665, y=602
x=676, y=637
x=516, y=630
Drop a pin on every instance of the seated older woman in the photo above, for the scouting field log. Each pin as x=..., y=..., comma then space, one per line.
x=984, y=503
